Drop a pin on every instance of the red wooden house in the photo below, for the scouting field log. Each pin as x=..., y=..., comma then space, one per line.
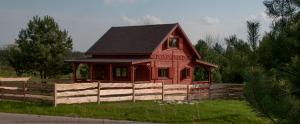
x=154, y=53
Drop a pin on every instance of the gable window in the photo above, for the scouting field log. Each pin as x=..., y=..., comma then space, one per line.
x=163, y=72
x=174, y=42
x=120, y=72
x=185, y=73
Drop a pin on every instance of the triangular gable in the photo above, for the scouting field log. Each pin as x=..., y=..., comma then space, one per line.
x=188, y=42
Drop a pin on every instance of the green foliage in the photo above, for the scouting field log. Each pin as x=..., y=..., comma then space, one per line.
x=211, y=55
x=205, y=112
x=3, y=55
x=84, y=71
x=15, y=59
x=272, y=86
x=268, y=93
x=253, y=34
x=43, y=47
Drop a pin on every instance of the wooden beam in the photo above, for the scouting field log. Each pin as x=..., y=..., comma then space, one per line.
x=162, y=91
x=209, y=80
x=91, y=69
x=110, y=73
x=209, y=76
x=75, y=65
x=98, y=94
x=132, y=80
x=54, y=95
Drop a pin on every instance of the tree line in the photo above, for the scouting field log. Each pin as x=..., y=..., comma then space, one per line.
x=268, y=64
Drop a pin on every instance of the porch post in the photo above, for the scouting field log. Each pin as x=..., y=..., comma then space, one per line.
x=132, y=80
x=110, y=73
x=74, y=72
x=132, y=73
x=91, y=68
x=209, y=75
x=150, y=71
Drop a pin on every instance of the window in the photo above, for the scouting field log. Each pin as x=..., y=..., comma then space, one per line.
x=173, y=42
x=120, y=72
x=185, y=73
x=163, y=72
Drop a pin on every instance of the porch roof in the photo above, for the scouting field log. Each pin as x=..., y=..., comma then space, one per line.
x=201, y=62
x=101, y=60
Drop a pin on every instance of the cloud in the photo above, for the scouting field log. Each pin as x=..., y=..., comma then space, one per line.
x=210, y=20
x=118, y=2
x=261, y=17
x=145, y=20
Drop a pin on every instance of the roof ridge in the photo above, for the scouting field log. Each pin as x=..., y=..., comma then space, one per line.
x=145, y=25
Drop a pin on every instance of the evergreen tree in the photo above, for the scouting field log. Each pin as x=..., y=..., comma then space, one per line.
x=253, y=34
x=44, y=46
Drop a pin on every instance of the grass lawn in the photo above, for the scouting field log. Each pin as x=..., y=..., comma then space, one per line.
x=204, y=112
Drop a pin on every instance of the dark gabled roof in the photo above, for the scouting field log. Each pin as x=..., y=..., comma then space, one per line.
x=131, y=39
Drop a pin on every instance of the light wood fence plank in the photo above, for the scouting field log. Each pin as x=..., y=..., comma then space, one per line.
x=167, y=92
x=71, y=100
x=116, y=85
x=148, y=85
x=75, y=86
x=174, y=86
x=77, y=93
x=119, y=98
x=115, y=92
x=148, y=97
x=148, y=91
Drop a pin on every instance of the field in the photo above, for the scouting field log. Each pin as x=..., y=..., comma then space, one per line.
x=6, y=71
x=204, y=112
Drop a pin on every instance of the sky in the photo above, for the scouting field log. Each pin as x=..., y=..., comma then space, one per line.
x=87, y=20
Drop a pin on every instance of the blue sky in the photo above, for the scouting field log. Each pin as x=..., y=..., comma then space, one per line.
x=88, y=20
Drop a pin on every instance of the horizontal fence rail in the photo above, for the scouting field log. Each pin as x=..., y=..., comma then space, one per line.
x=22, y=90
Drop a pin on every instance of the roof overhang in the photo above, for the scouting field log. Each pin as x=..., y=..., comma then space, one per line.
x=207, y=64
x=101, y=60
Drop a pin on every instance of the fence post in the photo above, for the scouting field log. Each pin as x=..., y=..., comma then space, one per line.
x=209, y=91
x=24, y=91
x=98, y=95
x=1, y=91
x=187, y=92
x=162, y=91
x=133, y=91
x=54, y=95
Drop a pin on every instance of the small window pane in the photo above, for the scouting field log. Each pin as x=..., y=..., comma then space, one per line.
x=173, y=42
x=163, y=72
x=118, y=72
x=124, y=72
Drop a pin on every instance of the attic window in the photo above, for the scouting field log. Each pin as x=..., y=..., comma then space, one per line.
x=174, y=42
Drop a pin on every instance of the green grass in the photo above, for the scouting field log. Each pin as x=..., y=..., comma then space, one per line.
x=204, y=112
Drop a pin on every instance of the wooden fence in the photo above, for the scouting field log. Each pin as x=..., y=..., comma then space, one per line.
x=22, y=90
x=226, y=91
x=108, y=92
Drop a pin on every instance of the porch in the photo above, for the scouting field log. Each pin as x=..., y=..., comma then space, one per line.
x=113, y=70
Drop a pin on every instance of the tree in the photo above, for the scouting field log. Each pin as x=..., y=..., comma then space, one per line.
x=44, y=46
x=219, y=48
x=253, y=34
x=281, y=11
x=15, y=59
